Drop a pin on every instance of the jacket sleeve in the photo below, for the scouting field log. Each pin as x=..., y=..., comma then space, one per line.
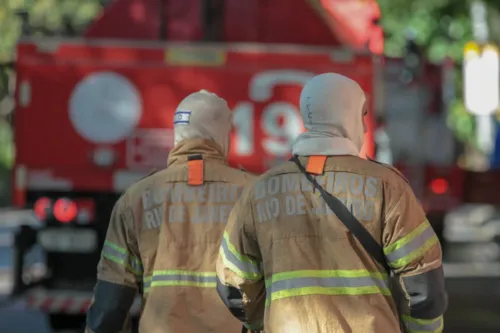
x=240, y=277
x=118, y=274
x=413, y=252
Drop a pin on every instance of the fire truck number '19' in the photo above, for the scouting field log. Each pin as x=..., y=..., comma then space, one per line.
x=279, y=122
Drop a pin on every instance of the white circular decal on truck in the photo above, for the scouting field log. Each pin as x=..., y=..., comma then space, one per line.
x=105, y=107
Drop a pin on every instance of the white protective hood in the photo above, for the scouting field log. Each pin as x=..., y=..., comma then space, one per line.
x=203, y=115
x=332, y=110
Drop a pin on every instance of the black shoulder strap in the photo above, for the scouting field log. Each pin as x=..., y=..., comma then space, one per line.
x=348, y=219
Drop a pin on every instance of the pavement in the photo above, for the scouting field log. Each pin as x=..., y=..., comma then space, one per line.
x=474, y=305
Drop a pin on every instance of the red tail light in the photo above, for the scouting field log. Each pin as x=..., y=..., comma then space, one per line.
x=65, y=210
x=439, y=186
x=42, y=207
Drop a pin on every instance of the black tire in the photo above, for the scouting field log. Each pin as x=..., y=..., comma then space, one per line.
x=60, y=322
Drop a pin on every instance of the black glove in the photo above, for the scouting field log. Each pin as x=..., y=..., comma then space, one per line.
x=245, y=330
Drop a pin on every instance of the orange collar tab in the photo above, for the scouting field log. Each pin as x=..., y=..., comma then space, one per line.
x=316, y=164
x=195, y=170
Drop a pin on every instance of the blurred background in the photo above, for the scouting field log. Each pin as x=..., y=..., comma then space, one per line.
x=88, y=89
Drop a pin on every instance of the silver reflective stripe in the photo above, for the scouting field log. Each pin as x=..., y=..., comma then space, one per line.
x=412, y=246
x=180, y=278
x=111, y=250
x=244, y=266
x=183, y=277
x=330, y=282
x=119, y=255
x=429, y=326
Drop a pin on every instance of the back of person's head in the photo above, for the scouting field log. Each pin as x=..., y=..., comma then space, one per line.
x=203, y=115
x=332, y=106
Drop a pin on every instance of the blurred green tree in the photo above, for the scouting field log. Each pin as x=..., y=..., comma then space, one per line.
x=44, y=18
x=441, y=28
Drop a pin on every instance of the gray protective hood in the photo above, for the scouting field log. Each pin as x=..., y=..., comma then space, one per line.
x=332, y=110
x=203, y=115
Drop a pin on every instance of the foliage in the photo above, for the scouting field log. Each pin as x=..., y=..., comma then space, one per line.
x=441, y=28
x=6, y=150
x=46, y=17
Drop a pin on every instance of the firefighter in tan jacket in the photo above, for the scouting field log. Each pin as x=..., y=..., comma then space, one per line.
x=288, y=265
x=165, y=231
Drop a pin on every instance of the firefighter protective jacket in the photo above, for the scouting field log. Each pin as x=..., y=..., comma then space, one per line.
x=301, y=271
x=163, y=239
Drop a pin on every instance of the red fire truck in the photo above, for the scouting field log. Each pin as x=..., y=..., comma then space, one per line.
x=94, y=115
x=422, y=146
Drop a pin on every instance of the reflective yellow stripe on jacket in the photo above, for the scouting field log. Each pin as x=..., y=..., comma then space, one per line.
x=323, y=282
x=412, y=246
x=414, y=325
x=177, y=278
x=121, y=256
x=240, y=264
